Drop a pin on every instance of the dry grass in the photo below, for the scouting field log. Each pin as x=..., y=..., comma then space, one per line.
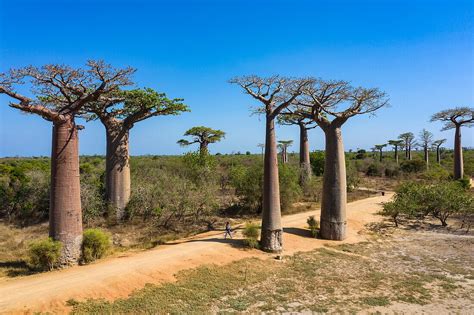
x=403, y=272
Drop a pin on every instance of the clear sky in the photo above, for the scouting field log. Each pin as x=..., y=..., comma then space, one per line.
x=419, y=52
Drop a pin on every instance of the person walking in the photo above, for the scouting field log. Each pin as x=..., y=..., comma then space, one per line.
x=228, y=230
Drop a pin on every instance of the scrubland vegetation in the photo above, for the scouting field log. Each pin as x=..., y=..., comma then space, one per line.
x=174, y=196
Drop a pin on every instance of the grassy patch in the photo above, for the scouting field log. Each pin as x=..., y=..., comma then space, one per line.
x=323, y=280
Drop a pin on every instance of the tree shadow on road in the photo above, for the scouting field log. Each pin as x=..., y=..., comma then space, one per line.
x=298, y=232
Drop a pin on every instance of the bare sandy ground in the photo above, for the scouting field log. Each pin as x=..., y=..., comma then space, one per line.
x=119, y=276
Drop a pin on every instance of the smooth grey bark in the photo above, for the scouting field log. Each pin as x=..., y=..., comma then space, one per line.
x=271, y=234
x=65, y=213
x=117, y=177
x=458, y=156
x=396, y=154
x=426, y=155
x=334, y=199
x=305, y=164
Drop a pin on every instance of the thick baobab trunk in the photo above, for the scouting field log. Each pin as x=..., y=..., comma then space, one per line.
x=305, y=163
x=65, y=214
x=334, y=199
x=438, y=155
x=271, y=234
x=380, y=155
x=203, y=151
x=409, y=153
x=458, y=159
x=117, y=177
x=396, y=154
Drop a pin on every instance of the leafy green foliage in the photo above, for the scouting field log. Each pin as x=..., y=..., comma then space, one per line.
x=24, y=190
x=251, y=232
x=317, y=159
x=248, y=185
x=95, y=244
x=441, y=200
x=44, y=254
x=413, y=166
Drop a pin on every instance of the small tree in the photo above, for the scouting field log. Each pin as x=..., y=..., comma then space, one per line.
x=426, y=139
x=437, y=145
x=283, y=145
x=119, y=113
x=275, y=94
x=409, y=140
x=456, y=118
x=60, y=93
x=396, y=144
x=204, y=136
x=321, y=101
x=380, y=147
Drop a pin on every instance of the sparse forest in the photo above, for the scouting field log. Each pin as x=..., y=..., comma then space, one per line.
x=236, y=157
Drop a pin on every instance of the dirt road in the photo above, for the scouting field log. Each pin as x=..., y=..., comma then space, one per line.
x=119, y=276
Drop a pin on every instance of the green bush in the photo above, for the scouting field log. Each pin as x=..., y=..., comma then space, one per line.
x=440, y=200
x=313, y=225
x=352, y=177
x=413, y=166
x=251, y=232
x=317, y=160
x=95, y=244
x=290, y=189
x=248, y=184
x=44, y=254
x=392, y=170
x=375, y=169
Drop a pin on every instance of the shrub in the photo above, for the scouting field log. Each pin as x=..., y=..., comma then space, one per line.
x=352, y=177
x=392, y=170
x=248, y=184
x=95, y=244
x=374, y=169
x=44, y=254
x=440, y=200
x=290, y=189
x=251, y=233
x=413, y=166
x=317, y=162
x=313, y=225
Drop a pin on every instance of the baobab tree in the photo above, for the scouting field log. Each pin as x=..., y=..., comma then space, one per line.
x=380, y=147
x=262, y=147
x=119, y=113
x=426, y=139
x=455, y=118
x=283, y=145
x=59, y=94
x=203, y=136
x=396, y=144
x=275, y=94
x=409, y=140
x=437, y=145
x=321, y=101
x=289, y=118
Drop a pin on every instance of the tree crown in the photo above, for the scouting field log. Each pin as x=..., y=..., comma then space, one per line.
x=275, y=93
x=455, y=117
x=202, y=134
x=337, y=99
x=60, y=90
x=131, y=106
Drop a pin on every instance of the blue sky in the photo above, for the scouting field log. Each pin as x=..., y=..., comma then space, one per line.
x=419, y=52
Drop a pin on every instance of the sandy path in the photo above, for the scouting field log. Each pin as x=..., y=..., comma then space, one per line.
x=119, y=276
